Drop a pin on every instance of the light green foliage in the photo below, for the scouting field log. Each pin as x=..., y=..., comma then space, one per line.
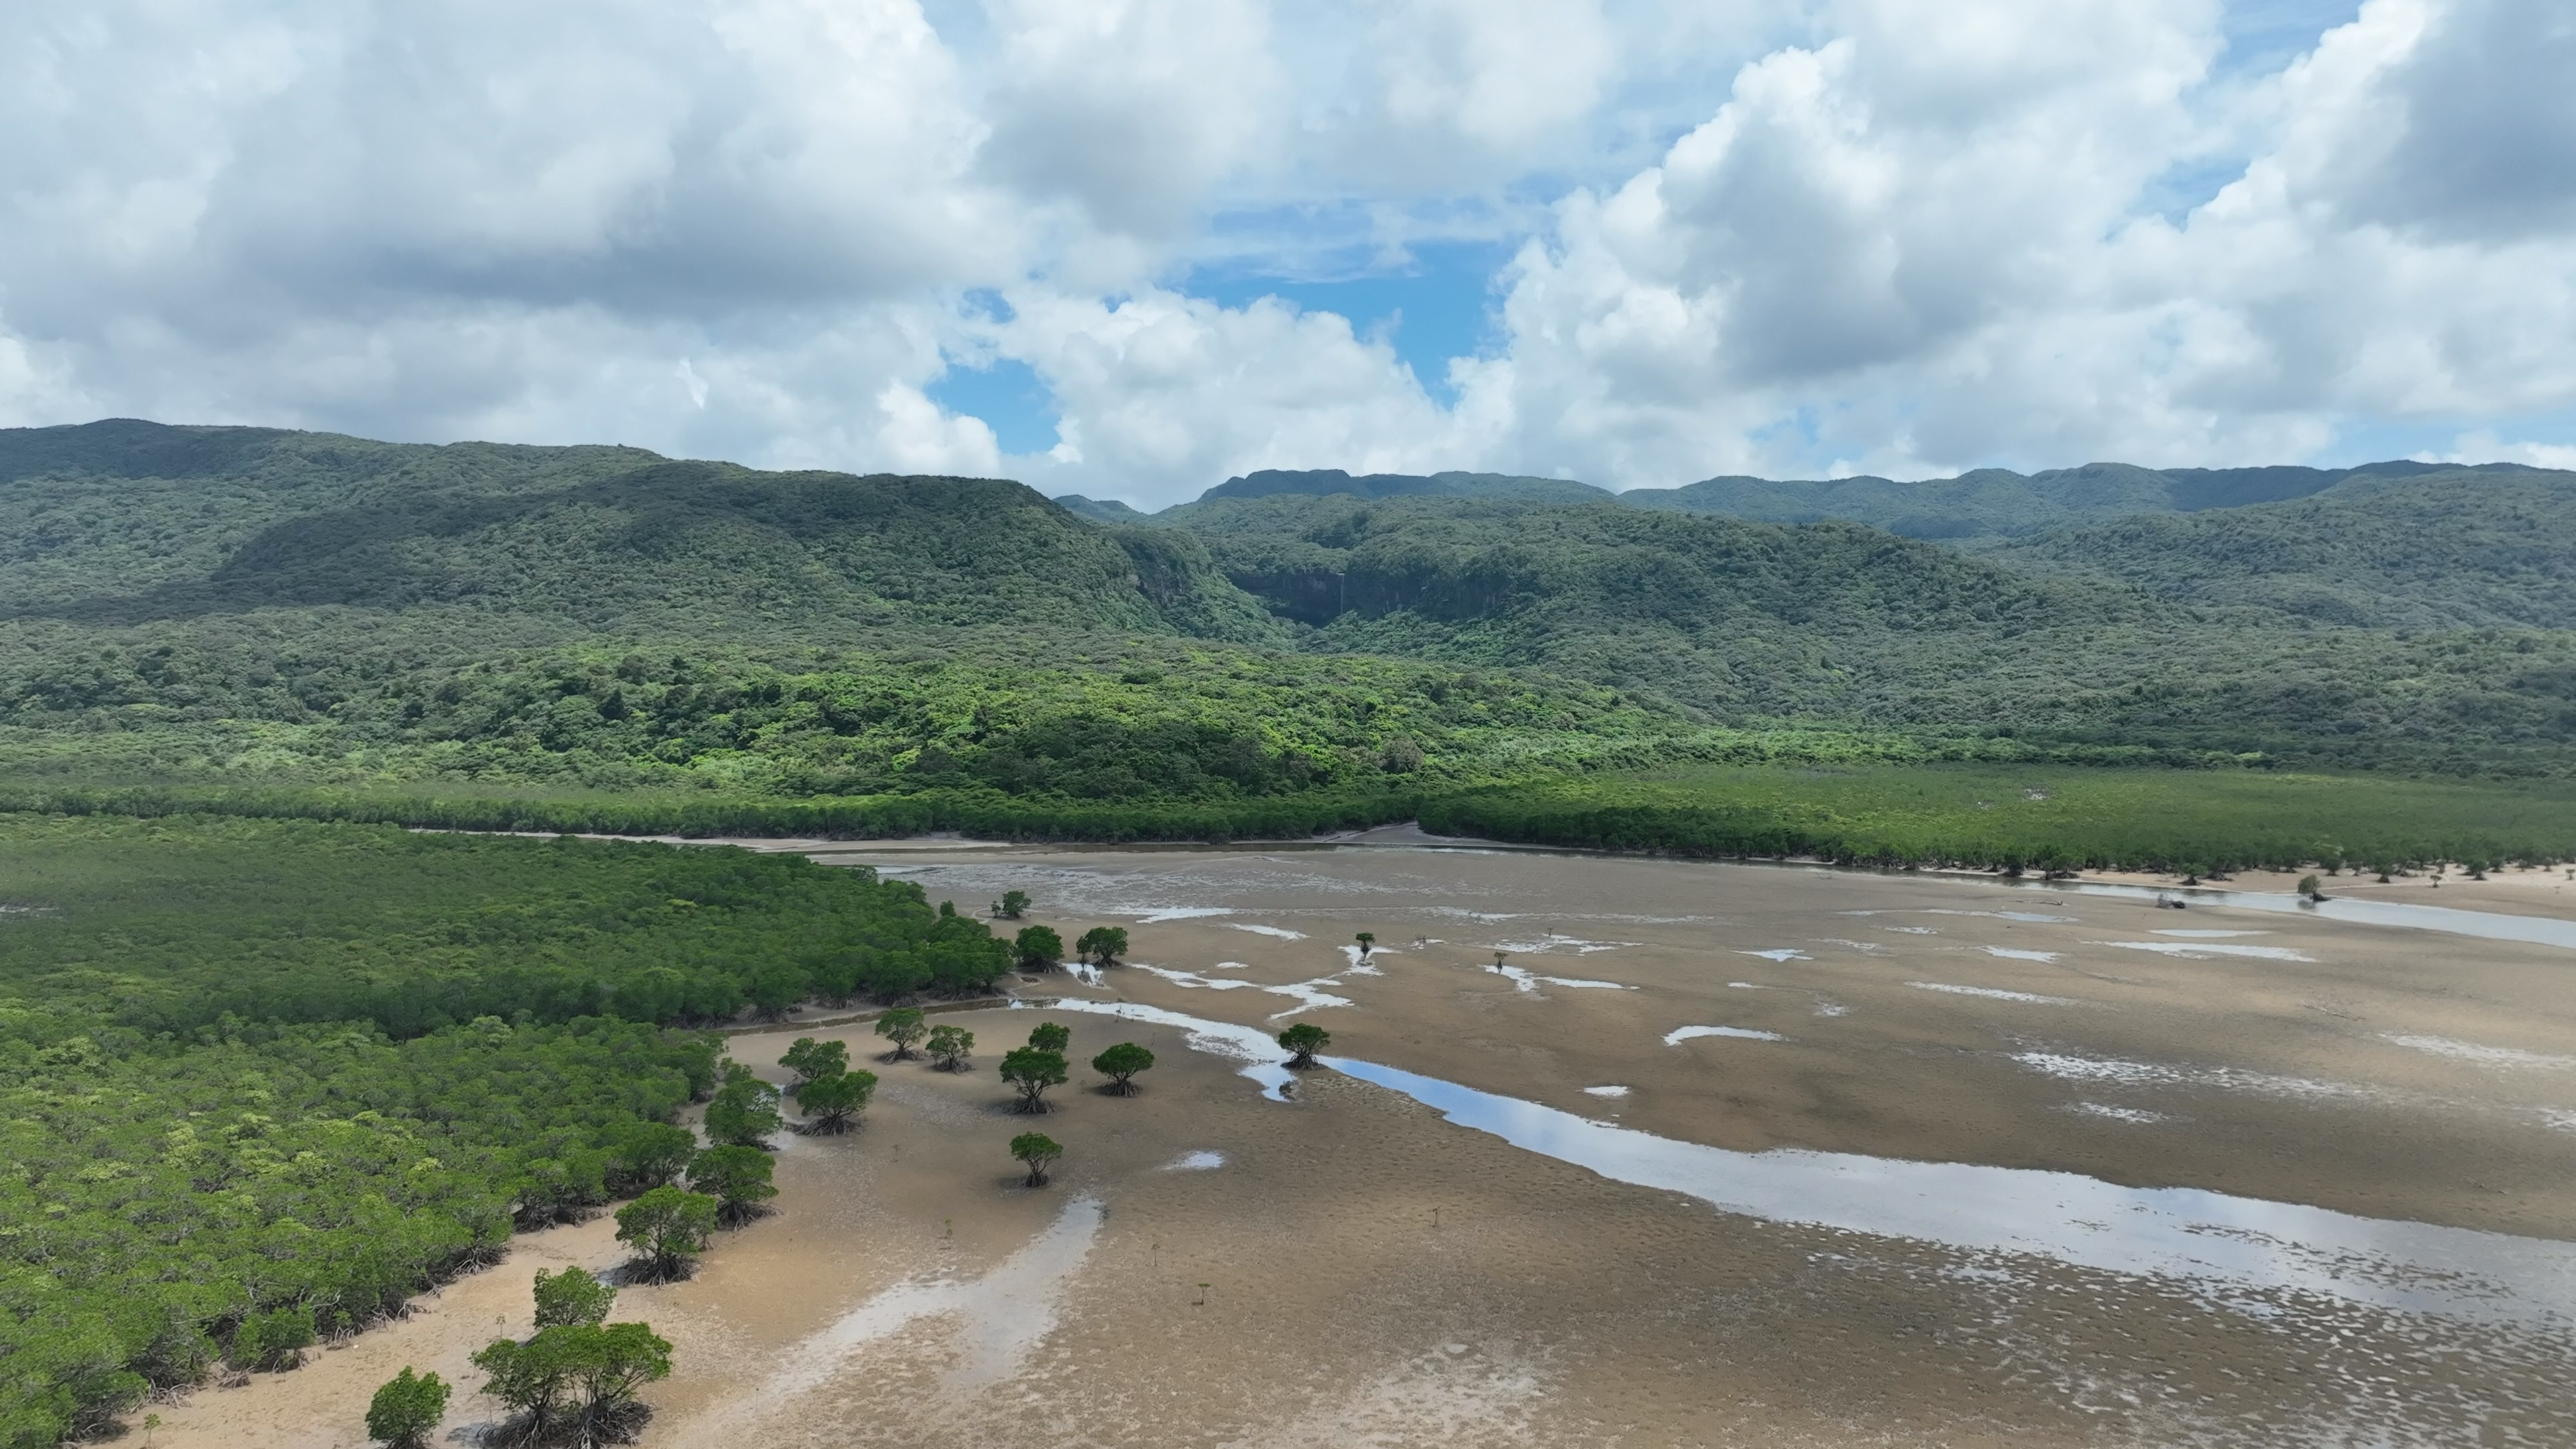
x=572, y=1296
x=738, y=1178
x=1051, y=1036
x=1121, y=1063
x=810, y=1058
x=1037, y=947
x=406, y=1408
x=2033, y=818
x=832, y=1104
x=949, y=1047
x=1305, y=1039
x=744, y=1111
x=1031, y=1070
x=237, y=1190
x=1104, y=944
x=903, y=1026
x=1039, y=1151
x=668, y=1229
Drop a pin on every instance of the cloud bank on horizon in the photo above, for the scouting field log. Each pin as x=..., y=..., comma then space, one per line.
x=1130, y=247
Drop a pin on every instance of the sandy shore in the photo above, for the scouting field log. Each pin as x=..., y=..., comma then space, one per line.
x=1378, y=1276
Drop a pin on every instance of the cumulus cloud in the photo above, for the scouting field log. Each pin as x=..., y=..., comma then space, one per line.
x=1794, y=236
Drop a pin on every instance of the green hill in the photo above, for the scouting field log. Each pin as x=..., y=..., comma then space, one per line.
x=274, y=608
x=122, y=523
x=1996, y=501
x=2466, y=548
x=1835, y=621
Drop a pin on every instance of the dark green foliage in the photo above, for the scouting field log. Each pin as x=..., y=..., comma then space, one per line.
x=832, y=1104
x=810, y=1059
x=572, y=1296
x=2482, y=548
x=1104, y=944
x=308, y=922
x=1120, y=1064
x=1037, y=947
x=575, y=1383
x=1039, y=1151
x=903, y=1026
x=406, y=1408
x=1996, y=501
x=1367, y=941
x=949, y=1047
x=1012, y=905
x=1305, y=1039
x=1031, y=1070
x=668, y=1229
x=648, y=1154
x=1051, y=1036
x=738, y=1178
x=2030, y=818
x=744, y=1111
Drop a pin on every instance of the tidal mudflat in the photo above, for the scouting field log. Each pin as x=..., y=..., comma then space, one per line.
x=1894, y=1160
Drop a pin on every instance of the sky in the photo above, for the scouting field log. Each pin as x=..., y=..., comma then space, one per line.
x=1129, y=248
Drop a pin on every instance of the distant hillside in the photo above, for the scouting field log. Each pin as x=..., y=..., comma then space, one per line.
x=1992, y=501
x=2465, y=548
x=1841, y=621
x=328, y=607
x=123, y=523
x=1324, y=482
x=1099, y=510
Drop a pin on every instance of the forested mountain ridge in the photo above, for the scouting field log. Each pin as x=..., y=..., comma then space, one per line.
x=1982, y=503
x=233, y=521
x=2462, y=548
x=247, y=603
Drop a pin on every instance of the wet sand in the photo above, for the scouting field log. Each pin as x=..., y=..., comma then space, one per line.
x=1379, y=1276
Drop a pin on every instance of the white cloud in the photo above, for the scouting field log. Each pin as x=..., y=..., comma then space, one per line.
x=1788, y=236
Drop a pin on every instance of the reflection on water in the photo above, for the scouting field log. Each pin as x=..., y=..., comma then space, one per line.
x=2232, y=1245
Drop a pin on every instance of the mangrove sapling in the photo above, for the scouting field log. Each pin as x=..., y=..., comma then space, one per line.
x=572, y=1296
x=1039, y=1151
x=1305, y=1039
x=407, y=1407
x=744, y=1111
x=810, y=1059
x=903, y=1026
x=2312, y=888
x=1368, y=942
x=1102, y=944
x=738, y=1178
x=1032, y=1070
x=649, y=1154
x=668, y=1229
x=949, y=1047
x=1051, y=1036
x=1037, y=947
x=1012, y=905
x=832, y=1104
x=1120, y=1064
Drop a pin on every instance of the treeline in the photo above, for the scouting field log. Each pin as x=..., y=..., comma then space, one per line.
x=2034, y=818
x=287, y=921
